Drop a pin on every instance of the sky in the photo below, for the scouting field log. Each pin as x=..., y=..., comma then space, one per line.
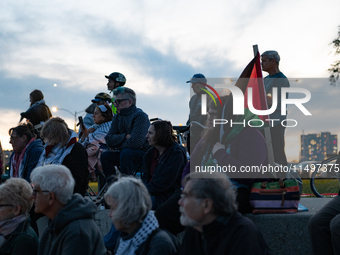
x=158, y=46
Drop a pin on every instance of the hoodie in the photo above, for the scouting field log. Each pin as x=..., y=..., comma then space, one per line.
x=73, y=231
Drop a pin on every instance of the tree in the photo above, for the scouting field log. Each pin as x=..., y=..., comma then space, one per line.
x=335, y=67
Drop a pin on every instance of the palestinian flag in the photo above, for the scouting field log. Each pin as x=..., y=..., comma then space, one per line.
x=251, y=77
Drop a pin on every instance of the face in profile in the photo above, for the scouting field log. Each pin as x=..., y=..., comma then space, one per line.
x=150, y=136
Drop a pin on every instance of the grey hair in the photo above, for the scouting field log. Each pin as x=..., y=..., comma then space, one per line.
x=17, y=191
x=133, y=199
x=218, y=189
x=272, y=54
x=55, y=178
x=126, y=91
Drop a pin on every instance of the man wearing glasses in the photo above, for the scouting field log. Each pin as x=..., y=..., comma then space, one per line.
x=72, y=229
x=126, y=136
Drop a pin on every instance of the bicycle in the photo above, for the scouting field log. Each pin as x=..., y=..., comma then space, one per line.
x=325, y=180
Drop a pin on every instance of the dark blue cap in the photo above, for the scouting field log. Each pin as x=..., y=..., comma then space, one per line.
x=198, y=78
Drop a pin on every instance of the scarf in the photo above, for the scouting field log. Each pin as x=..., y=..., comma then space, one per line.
x=130, y=246
x=57, y=153
x=7, y=227
x=16, y=166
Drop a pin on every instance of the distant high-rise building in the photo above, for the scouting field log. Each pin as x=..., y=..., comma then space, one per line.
x=318, y=146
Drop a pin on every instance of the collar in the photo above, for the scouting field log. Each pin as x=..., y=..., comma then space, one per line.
x=127, y=111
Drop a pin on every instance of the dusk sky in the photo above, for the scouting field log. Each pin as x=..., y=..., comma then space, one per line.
x=158, y=46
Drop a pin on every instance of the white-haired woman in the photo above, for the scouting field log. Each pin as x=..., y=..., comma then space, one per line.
x=61, y=148
x=130, y=211
x=16, y=235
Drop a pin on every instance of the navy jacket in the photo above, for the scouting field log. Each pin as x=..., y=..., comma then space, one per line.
x=167, y=173
x=30, y=159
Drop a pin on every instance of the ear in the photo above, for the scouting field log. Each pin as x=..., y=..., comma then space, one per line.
x=52, y=198
x=25, y=138
x=17, y=210
x=208, y=206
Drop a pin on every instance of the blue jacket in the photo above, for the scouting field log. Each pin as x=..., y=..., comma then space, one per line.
x=29, y=161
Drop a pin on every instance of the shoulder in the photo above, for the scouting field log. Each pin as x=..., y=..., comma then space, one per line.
x=36, y=145
x=161, y=243
x=140, y=112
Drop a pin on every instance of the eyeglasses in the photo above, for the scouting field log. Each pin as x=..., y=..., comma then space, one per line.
x=118, y=101
x=6, y=205
x=36, y=191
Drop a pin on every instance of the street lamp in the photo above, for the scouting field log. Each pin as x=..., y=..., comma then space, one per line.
x=55, y=109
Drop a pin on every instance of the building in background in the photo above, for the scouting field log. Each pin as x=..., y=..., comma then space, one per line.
x=318, y=147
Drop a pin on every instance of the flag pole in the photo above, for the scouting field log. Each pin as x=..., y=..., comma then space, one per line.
x=267, y=132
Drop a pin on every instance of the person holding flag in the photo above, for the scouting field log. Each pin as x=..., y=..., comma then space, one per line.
x=276, y=79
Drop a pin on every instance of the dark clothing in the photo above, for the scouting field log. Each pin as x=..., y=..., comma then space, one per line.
x=168, y=214
x=159, y=242
x=130, y=152
x=167, y=173
x=23, y=241
x=232, y=235
x=277, y=134
x=37, y=113
x=76, y=161
x=29, y=161
x=324, y=229
x=131, y=121
x=73, y=231
x=129, y=161
x=195, y=115
x=279, y=81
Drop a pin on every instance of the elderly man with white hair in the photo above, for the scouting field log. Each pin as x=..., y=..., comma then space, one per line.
x=209, y=211
x=72, y=229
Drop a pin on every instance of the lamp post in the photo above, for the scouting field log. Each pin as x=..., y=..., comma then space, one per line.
x=55, y=109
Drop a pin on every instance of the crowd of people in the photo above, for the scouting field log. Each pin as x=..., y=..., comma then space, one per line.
x=51, y=165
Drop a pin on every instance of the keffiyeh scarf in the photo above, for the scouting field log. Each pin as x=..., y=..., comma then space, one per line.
x=130, y=246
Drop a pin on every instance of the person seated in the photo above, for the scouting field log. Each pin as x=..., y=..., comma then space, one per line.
x=130, y=211
x=92, y=138
x=246, y=148
x=163, y=163
x=16, y=234
x=72, y=229
x=126, y=135
x=208, y=209
x=324, y=227
x=26, y=151
x=38, y=113
x=61, y=147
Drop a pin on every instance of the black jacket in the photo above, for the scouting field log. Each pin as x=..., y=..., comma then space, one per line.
x=234, y=235
x=23, y=241
x=167, y=174
x=37, y=113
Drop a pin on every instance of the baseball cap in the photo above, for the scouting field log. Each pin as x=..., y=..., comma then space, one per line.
x=198, y=78
x=118, y=77
x=101, y=97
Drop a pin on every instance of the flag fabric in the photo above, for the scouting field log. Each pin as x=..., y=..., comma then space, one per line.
x=251, y=77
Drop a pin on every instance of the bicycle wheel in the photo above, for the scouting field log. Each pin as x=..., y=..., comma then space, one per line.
x=325, y=179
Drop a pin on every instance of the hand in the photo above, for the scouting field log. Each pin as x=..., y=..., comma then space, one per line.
x=217, y=147
x=84, y=131
x=91, y=130
x=128, y=136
